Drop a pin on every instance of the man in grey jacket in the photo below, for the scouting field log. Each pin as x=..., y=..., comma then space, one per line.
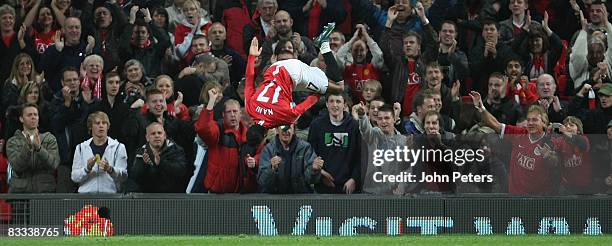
x=288, y=165
x=380, y=139
x=33, y=156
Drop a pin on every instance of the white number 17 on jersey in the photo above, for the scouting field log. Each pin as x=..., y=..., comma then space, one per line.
x=265, y=99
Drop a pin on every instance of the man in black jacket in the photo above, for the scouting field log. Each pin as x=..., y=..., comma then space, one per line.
x=71, y=107
x=596, y=123
x=146, y=42
x=288, y=165
x=218, y=47
x=106, y=26
x=453, y=62
x=505, y=109
x=335, y=138
x=488, y=56
x=160, y=164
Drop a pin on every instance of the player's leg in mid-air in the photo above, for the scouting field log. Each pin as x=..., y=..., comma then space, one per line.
x=333, y=71
x=302, y=75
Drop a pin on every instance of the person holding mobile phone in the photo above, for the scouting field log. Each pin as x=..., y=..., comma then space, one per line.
x=574, y=161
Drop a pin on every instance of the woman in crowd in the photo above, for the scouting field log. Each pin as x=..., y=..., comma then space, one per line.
x=42, y=26
x=539, y=48
x=194, y=21
x=135, y=73
x=30, y=94
x=135, y=83
x=160, y=18
x=22, y=72
x=176, y=108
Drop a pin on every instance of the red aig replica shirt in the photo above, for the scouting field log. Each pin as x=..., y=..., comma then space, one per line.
x=412, y=87
x=355, y=76
x=43, y=40
x=575, y=162
x=528, y=172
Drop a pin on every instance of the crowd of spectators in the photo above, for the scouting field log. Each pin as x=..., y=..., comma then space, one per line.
x=113, y=96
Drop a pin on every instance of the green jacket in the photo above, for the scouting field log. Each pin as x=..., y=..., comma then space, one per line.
x=32, y=170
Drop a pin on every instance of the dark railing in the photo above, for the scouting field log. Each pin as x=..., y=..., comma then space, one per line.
x=231, y=214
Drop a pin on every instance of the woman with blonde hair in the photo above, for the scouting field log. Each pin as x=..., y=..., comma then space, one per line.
x=195, y=110
x=22, y=72
x=174, y=101
x=193, y=18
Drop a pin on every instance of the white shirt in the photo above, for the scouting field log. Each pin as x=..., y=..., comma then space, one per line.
x=304, y=77
x=265, y=26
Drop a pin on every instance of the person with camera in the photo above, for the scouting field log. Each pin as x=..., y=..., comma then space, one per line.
x=144, y=41
x=573, y=148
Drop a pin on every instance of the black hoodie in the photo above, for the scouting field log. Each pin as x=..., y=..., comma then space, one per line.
x=340, y=147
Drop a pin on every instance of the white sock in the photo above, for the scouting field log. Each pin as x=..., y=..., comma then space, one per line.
x=325, y=48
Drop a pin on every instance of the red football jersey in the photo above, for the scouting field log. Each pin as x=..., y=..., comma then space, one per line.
x=43, y=40
x=575, y=162
x=355, y=76
x=271, y=105
x=412, y=87
x=528, y=172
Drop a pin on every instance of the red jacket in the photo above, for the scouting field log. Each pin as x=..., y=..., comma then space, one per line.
x=223, y=152
x=235, y=17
